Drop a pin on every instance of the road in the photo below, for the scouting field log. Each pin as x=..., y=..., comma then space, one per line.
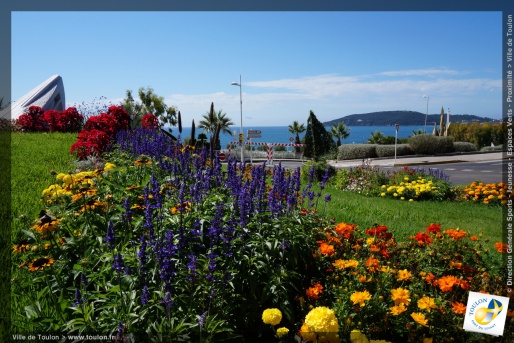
x=460, y=173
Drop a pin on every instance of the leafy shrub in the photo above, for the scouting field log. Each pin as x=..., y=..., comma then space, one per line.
x=464, y=147
x=356, y=151
x=388, y=150
x=32, y=120
x=429, y=145
x=480, y=134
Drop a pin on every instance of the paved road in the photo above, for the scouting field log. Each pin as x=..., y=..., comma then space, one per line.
x=461, y=173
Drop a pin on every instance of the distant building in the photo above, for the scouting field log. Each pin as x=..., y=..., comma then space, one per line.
x=49, y=96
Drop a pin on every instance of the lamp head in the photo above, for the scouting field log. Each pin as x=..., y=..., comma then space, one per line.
x=235, y=84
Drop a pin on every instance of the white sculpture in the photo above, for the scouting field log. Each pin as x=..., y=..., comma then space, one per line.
x=49, y=96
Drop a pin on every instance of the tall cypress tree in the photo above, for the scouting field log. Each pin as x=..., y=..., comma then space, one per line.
x=317, y=139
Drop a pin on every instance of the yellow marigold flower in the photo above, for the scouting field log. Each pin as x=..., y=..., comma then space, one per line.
x=322, y=320
x=400, y=296
x=419, y=318
x=426, y=303
x=358, y=337
x=108, y=166
x=282, y=332
x=271, y=316
x=397, y=309
x=360, y=298
x=427, y=340
x=404, y=275
x=341, y=264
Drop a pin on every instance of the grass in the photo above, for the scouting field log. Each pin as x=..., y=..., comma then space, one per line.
x=33, y=156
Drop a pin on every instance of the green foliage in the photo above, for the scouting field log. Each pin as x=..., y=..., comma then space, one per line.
x=356, y=151
x=149, y=103
x=464, y=147
x=339, y=131
x=388, y=150
x=480, y=134
x=317, y=139
x=378, y=137
x=296, y=129
x=429, y=145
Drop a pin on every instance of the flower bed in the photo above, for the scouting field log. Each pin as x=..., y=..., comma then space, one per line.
x=163, y=244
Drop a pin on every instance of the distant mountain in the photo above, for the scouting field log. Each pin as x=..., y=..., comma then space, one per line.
x=388, y=118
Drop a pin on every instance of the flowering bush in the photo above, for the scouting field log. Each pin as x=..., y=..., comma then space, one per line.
x=36, y=119
x=403, y=291
x=99, y=131
x=33, y=119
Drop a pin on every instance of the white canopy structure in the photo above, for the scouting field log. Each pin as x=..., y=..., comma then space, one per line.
x=49, y=96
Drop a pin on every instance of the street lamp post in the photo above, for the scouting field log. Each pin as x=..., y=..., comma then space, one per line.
x=426, y=115
x=241, y=104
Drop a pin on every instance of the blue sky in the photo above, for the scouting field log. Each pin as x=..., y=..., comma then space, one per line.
x=333, y=63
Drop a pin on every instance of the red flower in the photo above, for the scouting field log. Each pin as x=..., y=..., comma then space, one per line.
x=423, y=238
x=433, y=228
x=150, y=121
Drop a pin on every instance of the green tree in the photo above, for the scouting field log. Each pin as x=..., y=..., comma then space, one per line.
x=339, y=130
x=378, y=137
x=317, y=139
x=296, y=129
x=149, y=103
x=211, y=120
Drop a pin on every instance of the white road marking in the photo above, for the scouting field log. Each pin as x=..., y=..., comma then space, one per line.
x=468, y=170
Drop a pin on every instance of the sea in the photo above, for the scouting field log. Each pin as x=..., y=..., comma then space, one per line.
x=281, y=134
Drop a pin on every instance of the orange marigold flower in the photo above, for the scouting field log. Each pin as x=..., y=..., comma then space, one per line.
x=456, y=234
x=345, y=230
x=314, y=291
x=372, y=264
x=374, y=248
x=447, y=282
x=474, y=238
x=363, y=279
x=464, y=285
x=326, y=249
x=458, y=307
x=501, y=247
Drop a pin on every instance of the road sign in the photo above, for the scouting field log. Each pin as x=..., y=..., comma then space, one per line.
x=222, y=156
x=291, y=139
x=241, y=138
x=254, y=134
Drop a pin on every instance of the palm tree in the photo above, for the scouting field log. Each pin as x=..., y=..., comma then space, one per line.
x=212, y=119
x=296, y=129
x=339, y=130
